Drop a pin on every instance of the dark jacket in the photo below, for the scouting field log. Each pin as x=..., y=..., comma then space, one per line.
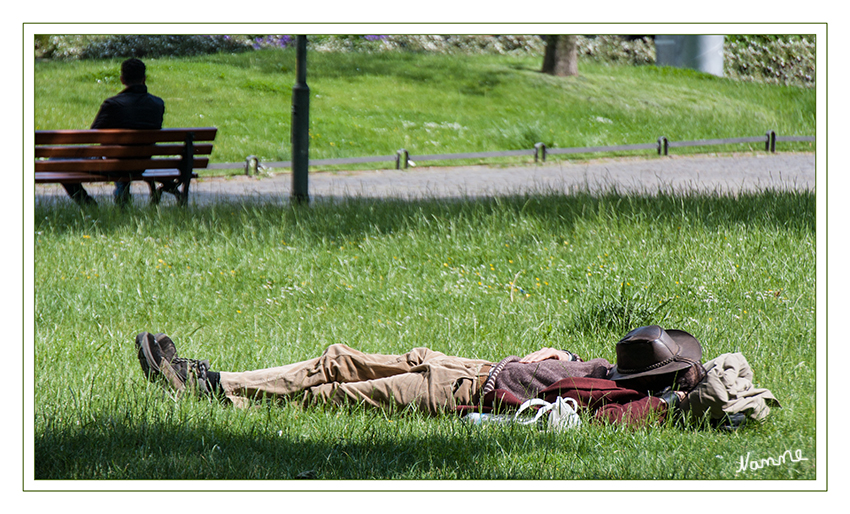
x=608, y=401
x=133, y=108
x=513, y=383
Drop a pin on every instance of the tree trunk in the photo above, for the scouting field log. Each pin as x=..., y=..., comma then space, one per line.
x=561, y=57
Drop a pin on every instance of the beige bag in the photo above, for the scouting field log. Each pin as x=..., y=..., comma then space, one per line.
x=728, y=389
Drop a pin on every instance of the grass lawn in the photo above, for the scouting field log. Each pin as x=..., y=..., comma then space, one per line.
x=251, y=286
x=375, y=104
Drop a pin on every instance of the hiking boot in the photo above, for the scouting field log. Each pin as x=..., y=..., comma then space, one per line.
x=150, y=355
x=158, y=357
x=187, y=373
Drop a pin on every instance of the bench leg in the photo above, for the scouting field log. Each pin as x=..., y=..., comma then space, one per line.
x=183, y=197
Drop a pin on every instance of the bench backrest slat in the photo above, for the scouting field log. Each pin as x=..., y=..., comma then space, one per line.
x=108, y=165
x=121, y=136
x=117, y=151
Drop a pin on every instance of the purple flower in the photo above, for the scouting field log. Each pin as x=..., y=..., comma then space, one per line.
x=374, y=38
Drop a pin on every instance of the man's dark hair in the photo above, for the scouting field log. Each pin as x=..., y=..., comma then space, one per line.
x=133, y=71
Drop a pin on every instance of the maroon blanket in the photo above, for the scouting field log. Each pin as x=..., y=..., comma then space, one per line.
x=607, y=401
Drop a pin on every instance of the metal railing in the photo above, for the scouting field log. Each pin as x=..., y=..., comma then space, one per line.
x=403, y=159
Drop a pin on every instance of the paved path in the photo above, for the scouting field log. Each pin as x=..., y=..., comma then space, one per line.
x=725, y=174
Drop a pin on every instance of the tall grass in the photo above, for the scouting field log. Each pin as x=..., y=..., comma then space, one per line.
x=375, y=104
x=252, y=285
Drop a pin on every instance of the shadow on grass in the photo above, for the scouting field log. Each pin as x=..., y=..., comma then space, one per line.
x=336, y=444
x=555, y=214
x=187, y=441
x=233, y=445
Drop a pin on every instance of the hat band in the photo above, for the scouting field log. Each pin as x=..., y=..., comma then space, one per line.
x=656, y=365
x=641, y=370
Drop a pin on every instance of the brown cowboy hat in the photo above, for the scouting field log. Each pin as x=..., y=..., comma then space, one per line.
x=654, y=351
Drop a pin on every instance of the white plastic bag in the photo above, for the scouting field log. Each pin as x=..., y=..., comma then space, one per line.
x=560, y=415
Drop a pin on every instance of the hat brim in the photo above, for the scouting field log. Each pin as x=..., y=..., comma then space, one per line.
x=690, y=352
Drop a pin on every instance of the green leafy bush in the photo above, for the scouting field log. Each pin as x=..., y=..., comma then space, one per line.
x=132, y=45
x=617, y=49
x=788, y=60
x=158, y=46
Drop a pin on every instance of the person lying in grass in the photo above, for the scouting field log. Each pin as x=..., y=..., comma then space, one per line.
x=657, y=371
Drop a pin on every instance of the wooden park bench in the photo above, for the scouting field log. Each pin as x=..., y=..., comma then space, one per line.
x=165, y=159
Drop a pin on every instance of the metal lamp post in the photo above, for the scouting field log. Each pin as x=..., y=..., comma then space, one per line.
x=300, y=130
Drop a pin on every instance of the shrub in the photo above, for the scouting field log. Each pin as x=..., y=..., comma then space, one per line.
x=617, y=49
x=127, y=45
x=443, y=44
x=158, y=46
x=787, y=60
x=61, y=47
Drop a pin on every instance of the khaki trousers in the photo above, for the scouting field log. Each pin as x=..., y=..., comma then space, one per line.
x=428, y=380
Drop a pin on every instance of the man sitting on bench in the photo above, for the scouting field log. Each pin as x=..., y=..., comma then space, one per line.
x=132, y=108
